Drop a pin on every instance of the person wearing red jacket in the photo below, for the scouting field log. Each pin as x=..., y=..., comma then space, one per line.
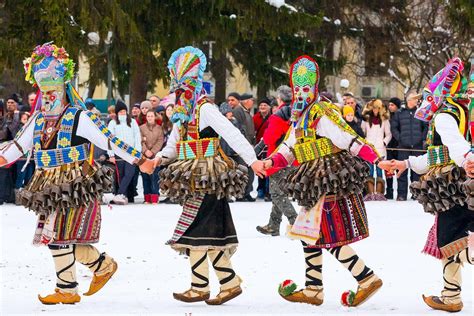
x=260, y=123
x=278, y=125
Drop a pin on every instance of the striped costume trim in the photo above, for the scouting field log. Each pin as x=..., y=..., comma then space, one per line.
x=344, y=221
x=190, y=210
x=114, y=140
x=454, y=247
x=74, y=226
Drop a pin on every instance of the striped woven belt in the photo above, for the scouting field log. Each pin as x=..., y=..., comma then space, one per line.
x=61, y=156
x=438, y=156
x=314, y=149
x=195, y=149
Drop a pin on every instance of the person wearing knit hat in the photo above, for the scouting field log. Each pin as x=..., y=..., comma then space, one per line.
x=15, y=98
x=346, y=110
x=395, y=101
x=119, y=106
x=348, y=115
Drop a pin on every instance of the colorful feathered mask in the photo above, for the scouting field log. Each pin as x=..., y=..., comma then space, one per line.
x=186, y=67
x=447, y=84
x=304, y=78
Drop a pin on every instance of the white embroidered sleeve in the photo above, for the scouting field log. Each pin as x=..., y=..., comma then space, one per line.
x=210, y=116
x=100, y=136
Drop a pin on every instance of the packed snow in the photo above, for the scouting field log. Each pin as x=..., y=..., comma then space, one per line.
x=149, y=271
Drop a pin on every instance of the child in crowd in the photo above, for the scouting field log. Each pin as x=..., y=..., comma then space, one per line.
x=348, y=114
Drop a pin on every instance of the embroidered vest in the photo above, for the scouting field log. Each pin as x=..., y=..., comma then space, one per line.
x=192, y=144
x=438, y=154
x=64, y=153
x=308, y=145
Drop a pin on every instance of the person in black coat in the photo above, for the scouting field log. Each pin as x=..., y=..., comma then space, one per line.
x=394, y=105
x=410, y=134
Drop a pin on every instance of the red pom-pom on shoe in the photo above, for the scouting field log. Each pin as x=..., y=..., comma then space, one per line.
x=347, y=298
x=286, y=287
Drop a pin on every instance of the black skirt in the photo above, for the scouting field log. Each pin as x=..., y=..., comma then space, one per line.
x=213, y=227
x=454, y=225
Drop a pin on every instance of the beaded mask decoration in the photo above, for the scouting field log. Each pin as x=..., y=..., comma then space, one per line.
x=186, y=67
x=50, y=69
x=447, y=85
x=304, y=78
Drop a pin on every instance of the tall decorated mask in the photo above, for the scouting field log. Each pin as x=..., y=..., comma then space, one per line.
x=448, y=83
x=304, y=78
x=50, y=69
x=186, y=67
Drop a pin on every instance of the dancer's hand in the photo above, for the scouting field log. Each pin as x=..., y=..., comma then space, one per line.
x=385, y=165
x=148, y=166
x=112, y=160
x=469, y=167
x=400, y=166
x=259, y=168
x=267, y=164
x=157, y=161
x=3, y=161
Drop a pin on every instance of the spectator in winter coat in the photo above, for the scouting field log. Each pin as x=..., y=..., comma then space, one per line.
x=152, y=142
x=125, y=128
x=9, y=126
x=242, y=114
x=166, y=109
x=260, y=122
x=260, y=119
x=410, y=134
x=348, y=114
x=393, y=106
x=278, y=126
x=351, y=101
x=23, y=176
x=376, y=127
x=145, y=106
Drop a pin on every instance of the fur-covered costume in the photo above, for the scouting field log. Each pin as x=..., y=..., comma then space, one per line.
x=444, y=189
x=67, y=183
x=330, y=171
x=203, y=178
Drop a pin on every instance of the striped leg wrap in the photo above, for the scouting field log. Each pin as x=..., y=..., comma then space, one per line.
x=452, y=281
x=223, y=268
x=313, y=258
x=464, y=256
x=64, y=261
x=199, y=269
x=349, y=259
x=95, y=265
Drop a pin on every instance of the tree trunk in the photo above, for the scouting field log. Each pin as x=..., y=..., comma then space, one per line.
x=138, y=81
x=262, y=90
x=219, y=72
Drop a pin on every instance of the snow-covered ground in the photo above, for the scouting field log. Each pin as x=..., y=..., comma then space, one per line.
x=149, y=271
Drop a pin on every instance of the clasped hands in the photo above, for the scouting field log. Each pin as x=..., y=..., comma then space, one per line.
x=393, y=166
